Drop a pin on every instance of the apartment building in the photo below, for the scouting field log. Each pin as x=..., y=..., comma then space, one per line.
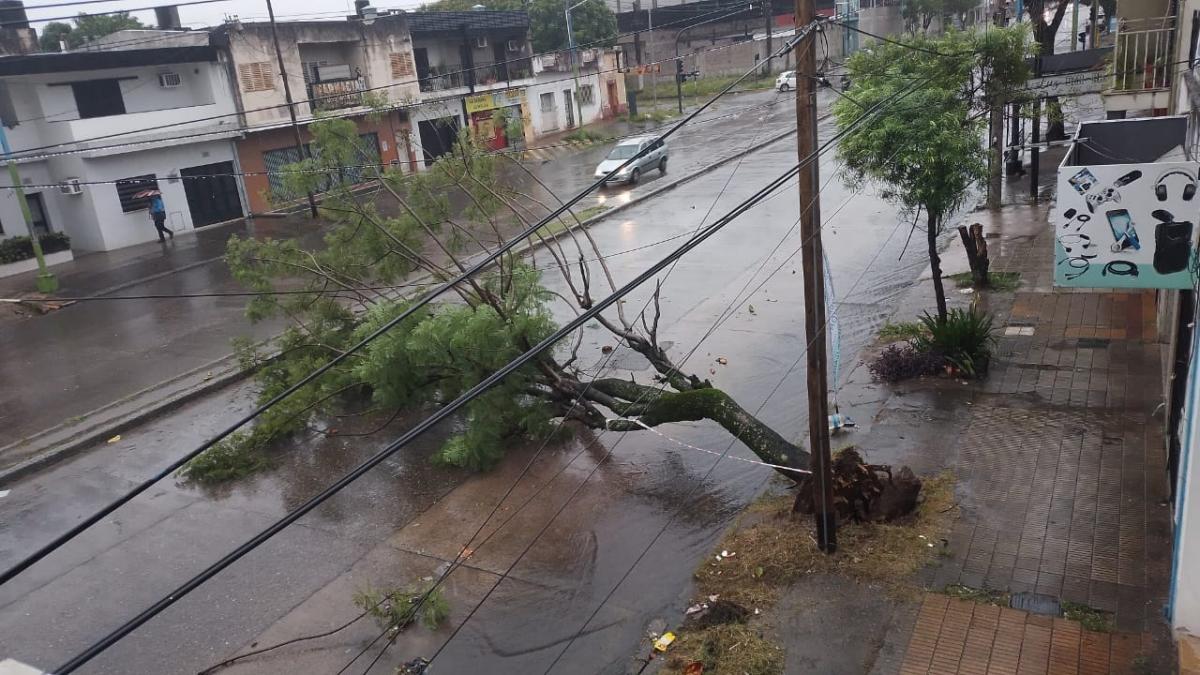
x=564, y=97
x=348, y=68
x=92, y=130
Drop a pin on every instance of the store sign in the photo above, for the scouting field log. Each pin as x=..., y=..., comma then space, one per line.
x=1070, y=84
x=1126, y=225
x=493, y=100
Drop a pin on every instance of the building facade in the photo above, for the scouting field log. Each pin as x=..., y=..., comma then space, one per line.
x=91, y=130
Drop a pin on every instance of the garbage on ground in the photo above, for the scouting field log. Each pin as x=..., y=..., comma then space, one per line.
x=694, y=668
x=115, y=439
x=663, y=642
x=722, y=360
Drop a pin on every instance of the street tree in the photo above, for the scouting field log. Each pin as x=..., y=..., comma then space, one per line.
x=1045, y=28
x=425, y=223
x=923, y=152
x=592, y=22
x=87, y=27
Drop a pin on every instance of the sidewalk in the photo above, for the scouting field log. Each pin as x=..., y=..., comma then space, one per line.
x=1061, y=476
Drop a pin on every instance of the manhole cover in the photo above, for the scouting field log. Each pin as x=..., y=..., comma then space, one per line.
x=1093, y=343
x=1037, y=603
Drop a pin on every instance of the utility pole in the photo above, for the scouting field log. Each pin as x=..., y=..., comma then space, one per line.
x=287, y=95
x=814, y=280
x=768, y=10
x=46, y=281
x=1035, y=135
x=1075, y=25
x=574, y=59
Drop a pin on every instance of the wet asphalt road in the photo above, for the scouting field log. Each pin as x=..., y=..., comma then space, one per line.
x=79, y=359
x=404, y=519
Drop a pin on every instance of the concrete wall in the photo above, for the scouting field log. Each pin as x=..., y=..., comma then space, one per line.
x=1185, y=576
x=94, y=219
x=373, y=46
x=49, y=115
x=34, y=175
x=551, y=82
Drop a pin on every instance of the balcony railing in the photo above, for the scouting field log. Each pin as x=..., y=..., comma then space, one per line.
x=338, y=94
x=1142, y=55
x=454, y=75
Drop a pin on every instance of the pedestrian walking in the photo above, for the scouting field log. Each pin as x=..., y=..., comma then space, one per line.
x=158, y=213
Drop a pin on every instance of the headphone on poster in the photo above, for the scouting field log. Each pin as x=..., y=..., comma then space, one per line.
x=1189, y=191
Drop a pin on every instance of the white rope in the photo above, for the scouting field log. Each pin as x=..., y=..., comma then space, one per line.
x=608, y=425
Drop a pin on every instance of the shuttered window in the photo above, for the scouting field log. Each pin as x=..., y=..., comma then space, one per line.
x=402, y=65
x=128, y=187
x=276, y=161
x=257, y=76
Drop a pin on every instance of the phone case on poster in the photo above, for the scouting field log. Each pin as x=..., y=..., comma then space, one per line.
x=1172, y=247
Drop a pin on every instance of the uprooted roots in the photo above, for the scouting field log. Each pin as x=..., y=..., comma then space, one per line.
x=864, y=492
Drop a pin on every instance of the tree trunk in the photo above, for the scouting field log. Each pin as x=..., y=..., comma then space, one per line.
x=699, y=404
x=977, y=255
x=996, y=165
x=935, y=264
x=862, y=491
x=1056, y=127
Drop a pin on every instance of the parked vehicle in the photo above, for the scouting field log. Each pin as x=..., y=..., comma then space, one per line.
x=655, y=158
x=786, y=81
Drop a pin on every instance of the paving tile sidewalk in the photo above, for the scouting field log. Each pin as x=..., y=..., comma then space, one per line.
x=1061, y=481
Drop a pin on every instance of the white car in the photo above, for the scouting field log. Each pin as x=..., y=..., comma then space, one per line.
x=655, y=158
x=786, y=81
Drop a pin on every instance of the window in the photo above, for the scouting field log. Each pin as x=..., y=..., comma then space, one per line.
x=128, y=187
x=548, y=102
x=366, y=153
x=402, y=65
x=256, y=76
x=586, y=94
x=98, y=98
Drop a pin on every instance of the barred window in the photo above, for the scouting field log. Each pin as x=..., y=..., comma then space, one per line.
x=127, y=188
x=586, y=94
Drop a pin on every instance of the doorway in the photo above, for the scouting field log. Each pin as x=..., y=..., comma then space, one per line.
x=569, y=105
x=437, y=137
x=614, y=105
x=37, y=213
x=212, y=193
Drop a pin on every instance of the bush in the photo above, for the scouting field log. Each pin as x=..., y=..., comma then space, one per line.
x=901, y=362
x=16, y=249
x=238, y=455
x=965, y=339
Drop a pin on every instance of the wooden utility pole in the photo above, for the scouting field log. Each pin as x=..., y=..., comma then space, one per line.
x=287, y=96
x=814, y=280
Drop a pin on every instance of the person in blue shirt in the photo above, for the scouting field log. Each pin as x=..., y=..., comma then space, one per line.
x=158, y=213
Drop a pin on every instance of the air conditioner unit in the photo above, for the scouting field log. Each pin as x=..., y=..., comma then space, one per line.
x=481, y=42
x=514, y=45
x=169, y=80
x=70, y=186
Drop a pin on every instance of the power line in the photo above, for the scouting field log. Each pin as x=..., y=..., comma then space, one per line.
x=708, y=333
x=23, y=22
x=459, y=560
x=23, y=154
x=416, y=431
x=409, y=311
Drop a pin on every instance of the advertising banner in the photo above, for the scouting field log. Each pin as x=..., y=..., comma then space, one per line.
x=1126, y=225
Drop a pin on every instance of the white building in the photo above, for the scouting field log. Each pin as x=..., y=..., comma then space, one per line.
x=91, y=129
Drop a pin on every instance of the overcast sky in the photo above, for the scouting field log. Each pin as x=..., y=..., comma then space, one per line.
x=197, y=16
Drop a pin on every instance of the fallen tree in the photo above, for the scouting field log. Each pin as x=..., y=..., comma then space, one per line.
x=426, y=223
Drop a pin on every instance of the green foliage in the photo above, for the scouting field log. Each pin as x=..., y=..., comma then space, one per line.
x=585, y=135
x=592, y=23
x=997, y=281
x=16, y=249
x=1095, y=620
x=87, y=27
x=965, y=338
x=241, y=454
x=395, y=609
x=902, y=330
x=434, y=355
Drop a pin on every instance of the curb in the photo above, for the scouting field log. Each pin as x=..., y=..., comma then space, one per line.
x=73, y=443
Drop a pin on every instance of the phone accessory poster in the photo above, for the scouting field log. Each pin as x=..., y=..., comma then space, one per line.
x=1126, y=225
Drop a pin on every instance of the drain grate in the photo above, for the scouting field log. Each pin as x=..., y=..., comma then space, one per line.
x=1036, y=603
x=1093, y=343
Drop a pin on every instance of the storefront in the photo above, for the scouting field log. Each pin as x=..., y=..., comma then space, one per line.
x=499, y=118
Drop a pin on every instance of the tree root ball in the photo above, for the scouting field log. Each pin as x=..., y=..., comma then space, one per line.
x=864, y=492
